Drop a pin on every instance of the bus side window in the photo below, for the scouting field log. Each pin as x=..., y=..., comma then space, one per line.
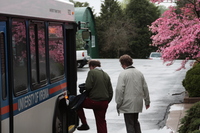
x=38, y=56
x=19, y=57
x=3, y=72
x=56, y=52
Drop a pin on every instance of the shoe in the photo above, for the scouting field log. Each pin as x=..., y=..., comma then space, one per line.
x=83, y=127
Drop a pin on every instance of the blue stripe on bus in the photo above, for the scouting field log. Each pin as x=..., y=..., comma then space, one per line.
x=29, y=100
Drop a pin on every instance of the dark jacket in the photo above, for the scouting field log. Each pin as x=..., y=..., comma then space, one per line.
x=98, y=85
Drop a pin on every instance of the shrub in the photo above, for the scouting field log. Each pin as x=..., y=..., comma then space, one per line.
x=196, y=131
x=192, y=81
x=191, y=122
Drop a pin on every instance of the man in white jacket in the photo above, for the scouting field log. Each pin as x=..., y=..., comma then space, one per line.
x=131, y=90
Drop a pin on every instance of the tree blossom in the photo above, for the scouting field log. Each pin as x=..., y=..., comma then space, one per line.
x=178, y=34
x=56, y=45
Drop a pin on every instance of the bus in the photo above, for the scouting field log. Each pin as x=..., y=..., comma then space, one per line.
x=38, y=66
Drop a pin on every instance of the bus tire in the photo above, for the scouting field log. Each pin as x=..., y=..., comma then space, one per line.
x=60, y=116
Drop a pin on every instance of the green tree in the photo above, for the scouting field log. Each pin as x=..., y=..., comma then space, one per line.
x=124, y=3
x=182, y=3
x=80, y=43
x=142, y=13
x=113, y=29
x=80, y=4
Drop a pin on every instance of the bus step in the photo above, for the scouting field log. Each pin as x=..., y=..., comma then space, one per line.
x=71, y=128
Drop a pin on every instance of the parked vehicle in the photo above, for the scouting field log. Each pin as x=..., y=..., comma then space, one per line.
x=155, y=55
x=82, y=58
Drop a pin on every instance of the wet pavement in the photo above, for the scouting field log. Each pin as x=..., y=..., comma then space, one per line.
x=166, y=93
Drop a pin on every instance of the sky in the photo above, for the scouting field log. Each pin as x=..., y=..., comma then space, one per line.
x=97, y=4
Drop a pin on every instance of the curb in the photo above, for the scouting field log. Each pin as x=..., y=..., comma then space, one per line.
x=191, y=99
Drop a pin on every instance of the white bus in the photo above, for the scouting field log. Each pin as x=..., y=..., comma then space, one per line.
x=37, y=66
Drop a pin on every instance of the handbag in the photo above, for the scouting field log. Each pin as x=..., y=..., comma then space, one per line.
x=76, y=101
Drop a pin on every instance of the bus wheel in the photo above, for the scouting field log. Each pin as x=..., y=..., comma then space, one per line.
x=60, y=117
x=58, y=126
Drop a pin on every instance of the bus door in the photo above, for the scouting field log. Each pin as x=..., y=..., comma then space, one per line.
x=4, y=100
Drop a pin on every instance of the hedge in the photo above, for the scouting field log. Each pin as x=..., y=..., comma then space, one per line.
x=191, y=122
x=192, y=81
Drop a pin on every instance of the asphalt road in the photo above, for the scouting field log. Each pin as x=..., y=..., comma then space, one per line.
x=165, y=88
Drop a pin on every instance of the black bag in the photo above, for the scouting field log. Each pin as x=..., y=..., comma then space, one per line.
x=76, y=101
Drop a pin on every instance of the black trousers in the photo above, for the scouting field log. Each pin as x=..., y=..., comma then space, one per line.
x=132, y=123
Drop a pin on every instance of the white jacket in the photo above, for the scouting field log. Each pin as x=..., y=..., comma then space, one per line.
x=130, y=91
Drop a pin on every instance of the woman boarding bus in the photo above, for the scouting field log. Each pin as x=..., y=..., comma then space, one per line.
x=37, y=66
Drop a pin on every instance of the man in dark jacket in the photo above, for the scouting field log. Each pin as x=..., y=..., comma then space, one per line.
x=100, y=93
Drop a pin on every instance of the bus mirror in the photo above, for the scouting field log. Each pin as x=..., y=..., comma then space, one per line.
x=85, y=35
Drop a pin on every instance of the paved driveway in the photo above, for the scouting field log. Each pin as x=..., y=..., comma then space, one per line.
x=165, y=87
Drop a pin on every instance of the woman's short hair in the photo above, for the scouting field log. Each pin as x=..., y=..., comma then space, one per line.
x=94, y=63
x=126, y=60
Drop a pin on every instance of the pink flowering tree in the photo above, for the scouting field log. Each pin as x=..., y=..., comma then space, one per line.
x=177, y=33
